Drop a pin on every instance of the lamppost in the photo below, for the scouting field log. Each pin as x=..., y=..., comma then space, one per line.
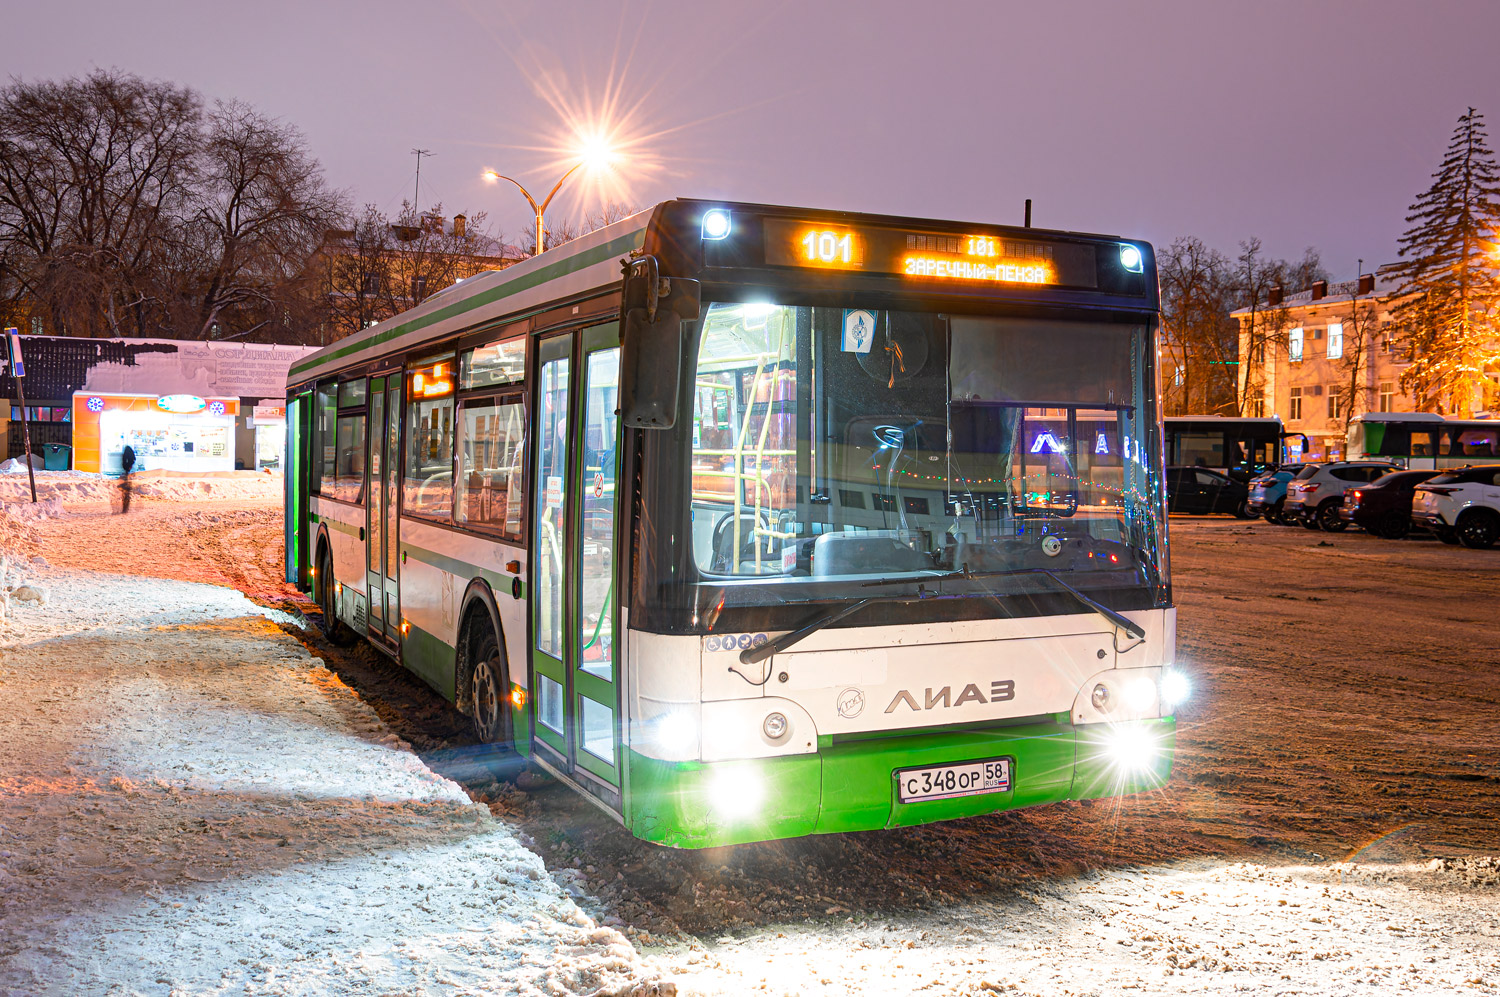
x=492, y=176
x=592, y=151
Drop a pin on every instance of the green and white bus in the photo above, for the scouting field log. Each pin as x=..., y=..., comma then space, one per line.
x=751, y=522
x=1423, y=441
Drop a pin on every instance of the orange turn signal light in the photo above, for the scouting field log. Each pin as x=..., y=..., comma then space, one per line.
x=518, y=697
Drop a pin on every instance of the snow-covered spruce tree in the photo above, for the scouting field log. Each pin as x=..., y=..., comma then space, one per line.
x=1450, y=277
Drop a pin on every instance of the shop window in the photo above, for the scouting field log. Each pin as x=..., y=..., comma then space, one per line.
x=491, y=440
x=349, y=466
x=493, y=365
x=428, y=485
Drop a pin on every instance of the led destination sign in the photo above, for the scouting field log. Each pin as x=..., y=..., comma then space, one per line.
x=976, y=258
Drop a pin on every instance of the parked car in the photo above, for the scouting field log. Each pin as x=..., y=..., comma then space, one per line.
x=1313, y=497
x=1268, y=493
x=1383, y=507
x=1201, y=490
x=1461, y=506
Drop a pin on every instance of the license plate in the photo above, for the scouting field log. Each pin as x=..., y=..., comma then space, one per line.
x=943, y=782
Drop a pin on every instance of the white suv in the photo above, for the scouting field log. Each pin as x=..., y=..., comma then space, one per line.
x=1314, y=496
x=1461, y=506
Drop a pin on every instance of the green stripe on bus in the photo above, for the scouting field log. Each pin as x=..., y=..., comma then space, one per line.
x=543, y=275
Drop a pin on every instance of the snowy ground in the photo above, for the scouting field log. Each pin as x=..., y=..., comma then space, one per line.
x=190, y=803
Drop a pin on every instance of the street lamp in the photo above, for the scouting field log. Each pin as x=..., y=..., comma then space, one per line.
x=595, y=153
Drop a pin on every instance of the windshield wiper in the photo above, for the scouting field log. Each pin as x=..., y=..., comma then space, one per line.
x=1129, y=626
x=761, y=652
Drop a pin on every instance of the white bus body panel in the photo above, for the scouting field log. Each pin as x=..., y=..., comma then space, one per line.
x=865, y=679
x=432, y=593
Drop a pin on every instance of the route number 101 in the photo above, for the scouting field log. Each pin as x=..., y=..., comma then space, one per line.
x=828, y=247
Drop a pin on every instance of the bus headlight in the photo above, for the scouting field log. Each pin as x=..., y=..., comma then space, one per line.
x=1175, y=688
x=1101, y=698
x=775, y=726
x=677, y=730
x=1140, y=693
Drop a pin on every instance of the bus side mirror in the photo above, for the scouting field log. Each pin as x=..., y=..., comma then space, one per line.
x=654, y=341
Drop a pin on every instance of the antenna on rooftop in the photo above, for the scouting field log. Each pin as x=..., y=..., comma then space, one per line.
x=416, y=194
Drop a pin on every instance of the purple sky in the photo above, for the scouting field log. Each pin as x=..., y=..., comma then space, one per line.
x=1302, y=123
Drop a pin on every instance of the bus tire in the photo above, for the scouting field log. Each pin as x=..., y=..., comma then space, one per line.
x=488, y=693
x=1478, y=529
x=324, y=591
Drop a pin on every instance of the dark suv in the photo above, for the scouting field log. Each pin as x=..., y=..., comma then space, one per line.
x=1200, y=490
x=1383, y=507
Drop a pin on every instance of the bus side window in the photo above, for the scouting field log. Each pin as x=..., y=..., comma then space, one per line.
x=324, y=426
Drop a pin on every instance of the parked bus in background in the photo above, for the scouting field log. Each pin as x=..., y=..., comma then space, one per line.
x=750, y=522
x=1240, y=448
x=1423, y=441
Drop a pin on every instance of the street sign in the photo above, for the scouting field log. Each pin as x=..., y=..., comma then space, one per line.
x=17, y=365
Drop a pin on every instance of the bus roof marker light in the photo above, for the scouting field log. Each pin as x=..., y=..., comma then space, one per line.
x=1131, y=258
x=716, y=224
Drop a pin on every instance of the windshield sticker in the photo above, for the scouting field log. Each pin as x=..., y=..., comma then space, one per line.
x=859, y=330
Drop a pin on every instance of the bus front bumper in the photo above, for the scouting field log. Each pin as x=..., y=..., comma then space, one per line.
x=851, y=785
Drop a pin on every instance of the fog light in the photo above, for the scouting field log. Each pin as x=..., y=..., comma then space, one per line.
x=736, y=792
x=716, y=224
x=1175, y=688
x=1101, y=698
x=1132, y=749
x=1131, y=258
x=1140, y=693
x=775, y=725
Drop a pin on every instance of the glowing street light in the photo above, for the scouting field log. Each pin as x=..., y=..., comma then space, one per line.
x=593, y=152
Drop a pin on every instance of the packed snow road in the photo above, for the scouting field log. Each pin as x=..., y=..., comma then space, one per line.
x=191, y=804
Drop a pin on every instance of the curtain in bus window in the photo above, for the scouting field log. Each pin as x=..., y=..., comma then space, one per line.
x=427, y=487
x=349, y=468
x=491, y=438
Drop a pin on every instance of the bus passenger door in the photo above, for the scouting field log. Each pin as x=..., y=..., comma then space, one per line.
x=573, y=607
x=380, y=512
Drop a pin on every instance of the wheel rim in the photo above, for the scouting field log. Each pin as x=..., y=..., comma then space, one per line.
x=487, y=699
x=1477, y=533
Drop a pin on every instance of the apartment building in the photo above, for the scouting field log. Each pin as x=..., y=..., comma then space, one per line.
x=1321, y=356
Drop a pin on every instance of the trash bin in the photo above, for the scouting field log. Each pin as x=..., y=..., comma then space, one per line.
x=57, y=456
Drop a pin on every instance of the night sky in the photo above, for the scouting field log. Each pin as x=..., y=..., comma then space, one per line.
x=1304, y=124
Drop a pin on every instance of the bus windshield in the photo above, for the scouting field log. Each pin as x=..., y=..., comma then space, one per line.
x=835, y=447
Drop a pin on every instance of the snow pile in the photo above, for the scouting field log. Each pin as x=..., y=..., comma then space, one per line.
x=84, y=487
x=16, y=465
x=190, y=802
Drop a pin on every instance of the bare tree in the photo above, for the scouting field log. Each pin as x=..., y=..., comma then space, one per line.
x=260, y=210
x=1359, y=343
x=93, y=173
x=1200, y=340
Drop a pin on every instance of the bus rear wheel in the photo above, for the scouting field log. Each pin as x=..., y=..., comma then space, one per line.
x=491, y=712
x=326, y=591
